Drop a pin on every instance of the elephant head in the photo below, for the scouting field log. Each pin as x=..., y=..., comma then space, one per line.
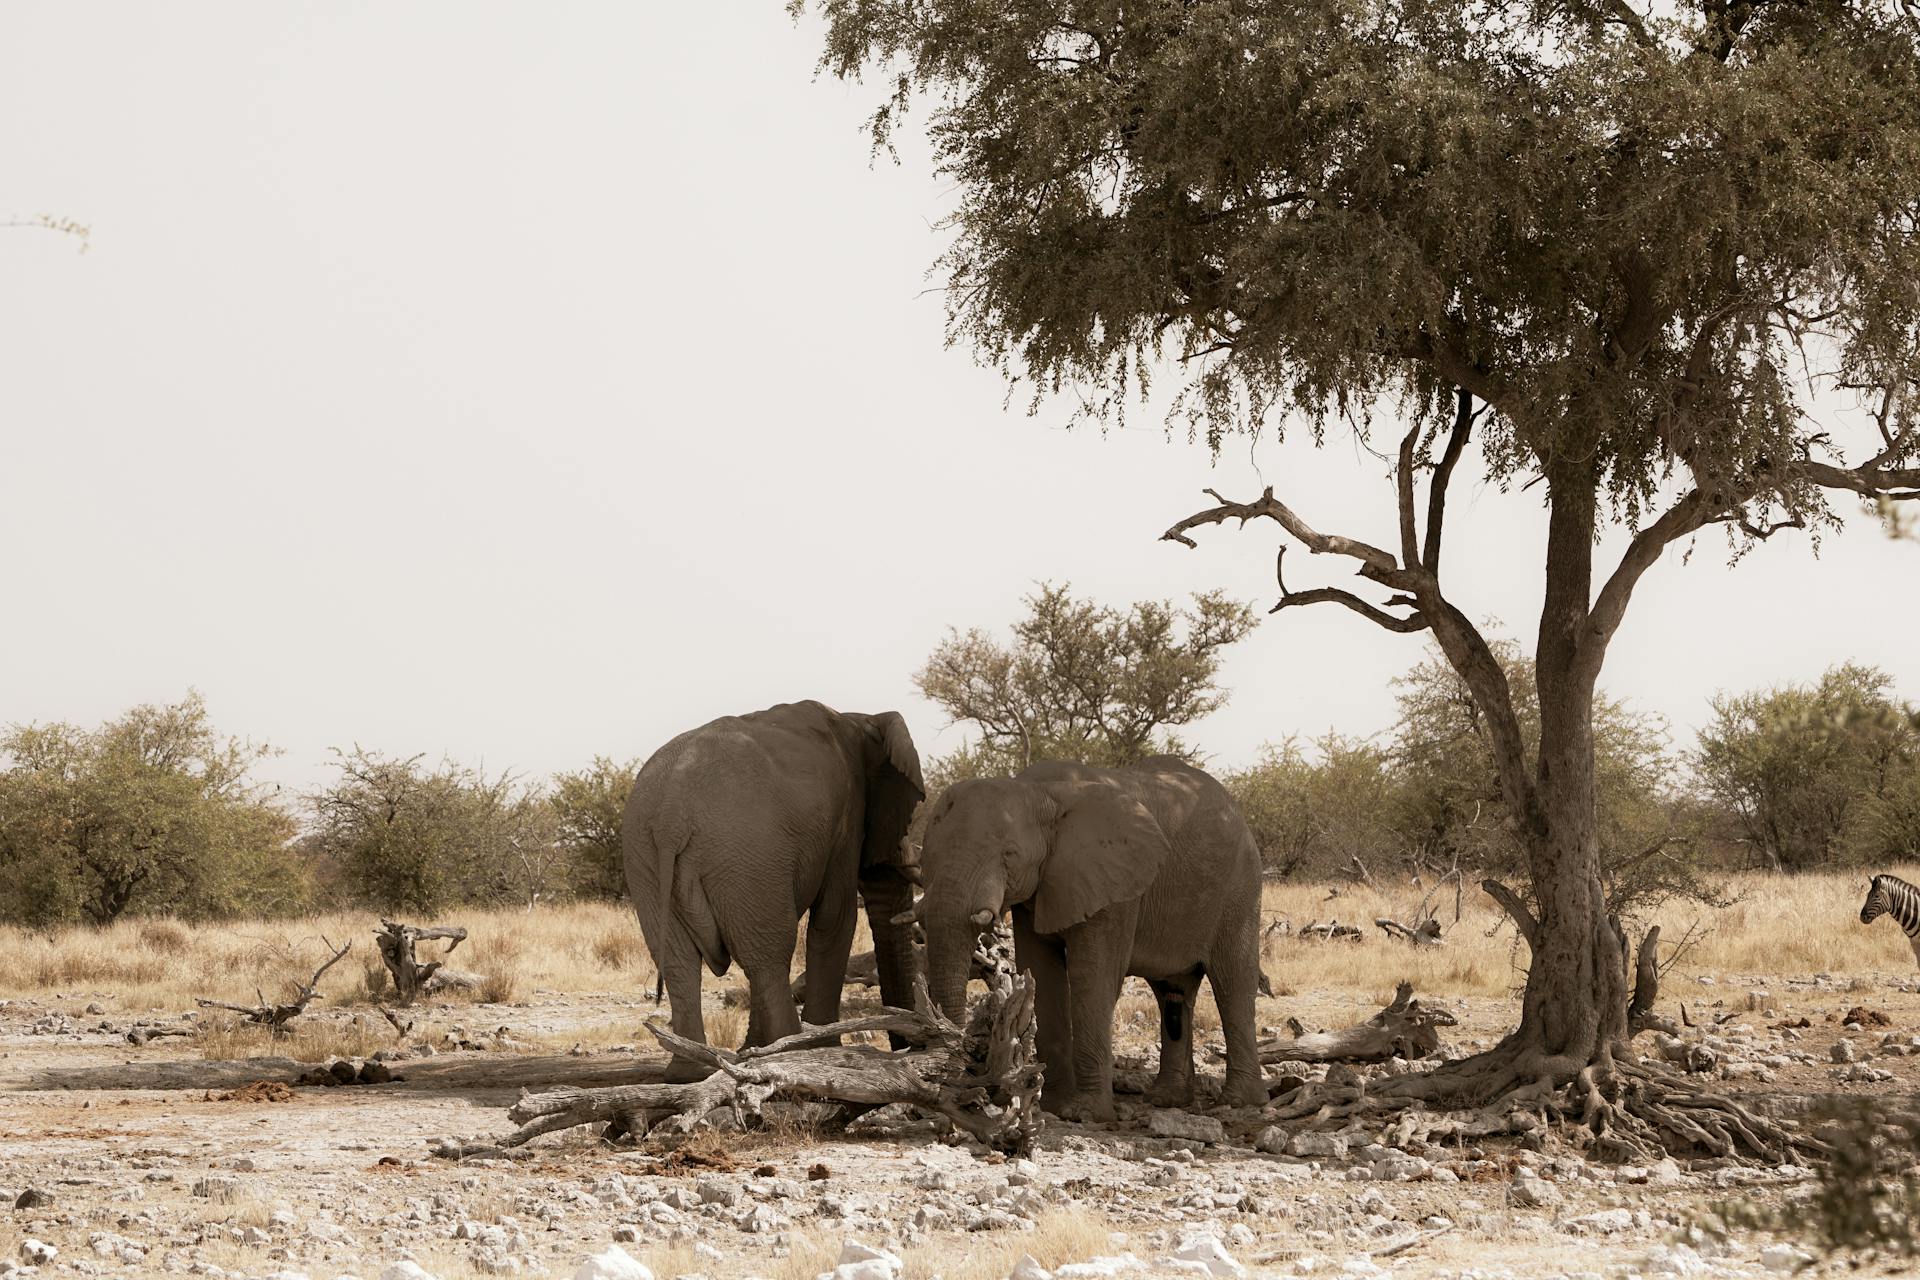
x=1067, y=849
x=894, y=788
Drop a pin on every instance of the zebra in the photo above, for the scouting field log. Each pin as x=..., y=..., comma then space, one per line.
x=1892, y=896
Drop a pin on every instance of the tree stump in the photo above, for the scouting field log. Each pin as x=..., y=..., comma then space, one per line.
x=396, y=942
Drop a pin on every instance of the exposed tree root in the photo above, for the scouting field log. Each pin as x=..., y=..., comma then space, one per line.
x=1614, y=1108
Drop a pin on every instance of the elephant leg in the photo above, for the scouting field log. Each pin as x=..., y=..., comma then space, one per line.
x=1235, y=983
x=1052, y=1011
x=1097, y=955
x=1173, y=1087
x=766, y=954
x=829, y=939
x=679, y=968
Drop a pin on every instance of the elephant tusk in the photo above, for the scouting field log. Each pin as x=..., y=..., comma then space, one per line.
x=983, y=917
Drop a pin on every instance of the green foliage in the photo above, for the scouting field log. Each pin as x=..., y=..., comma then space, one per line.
x=1429, y=800
x=1333, y=812
x=588, y=806
x=1625, y=234
x=1081, y=681
x=405, y=838
x=152, y=811
x=1815, y=775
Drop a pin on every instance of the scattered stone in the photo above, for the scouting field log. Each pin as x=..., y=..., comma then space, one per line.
x=1607, y=1222
x=37, y=1253
x=1321, y=1146
x=1784, y=1258
x=1531, y=1191
x=1843, y=1051
x=1204, y=1248
x=1029, y=1268
x=1184, y=1124
x=612, y=1263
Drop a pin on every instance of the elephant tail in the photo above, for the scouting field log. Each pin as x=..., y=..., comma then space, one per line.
x=687, y=902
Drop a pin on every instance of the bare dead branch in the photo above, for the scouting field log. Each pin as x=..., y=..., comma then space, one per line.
x=276, y=1016
x=1273, y=509
x=1510, y=903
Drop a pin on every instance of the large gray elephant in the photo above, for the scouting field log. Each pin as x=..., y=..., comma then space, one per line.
x=736, y=829
x=1148, y=870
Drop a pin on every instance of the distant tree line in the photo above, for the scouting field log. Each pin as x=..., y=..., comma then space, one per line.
x=157, y=812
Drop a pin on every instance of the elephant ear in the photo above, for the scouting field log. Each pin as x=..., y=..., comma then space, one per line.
x=1106, y=848
x=897, y=743
x=894, y=788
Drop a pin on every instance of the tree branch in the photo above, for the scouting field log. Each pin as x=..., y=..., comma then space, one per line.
x=1403, y=476
x=1443, y=475
x=1414, y=621
x=1510, y=902
x=1380, y=565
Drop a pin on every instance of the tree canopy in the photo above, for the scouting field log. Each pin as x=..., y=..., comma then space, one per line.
x=154, y=810
x=1082, y=681
x=1818, y=774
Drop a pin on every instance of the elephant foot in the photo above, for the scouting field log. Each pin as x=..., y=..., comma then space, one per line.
x=1244, y=1091
x=1087, y=1111
x=1176, y=1094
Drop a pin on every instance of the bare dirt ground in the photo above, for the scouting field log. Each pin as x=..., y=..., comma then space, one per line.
x=328, y=1182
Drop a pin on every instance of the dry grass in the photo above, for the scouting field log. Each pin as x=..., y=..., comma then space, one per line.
x=1777, y=925
x=1059, y=1236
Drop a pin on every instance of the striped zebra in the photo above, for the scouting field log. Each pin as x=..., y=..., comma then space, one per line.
x=1892, y=896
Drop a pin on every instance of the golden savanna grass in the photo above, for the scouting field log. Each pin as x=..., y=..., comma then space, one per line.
x=1776, y=925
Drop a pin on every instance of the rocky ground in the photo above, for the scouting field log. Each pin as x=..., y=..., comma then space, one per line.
x=332, y=1182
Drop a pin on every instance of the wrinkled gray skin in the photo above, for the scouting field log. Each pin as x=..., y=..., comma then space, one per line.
x=1148, y=871
x=736, y=829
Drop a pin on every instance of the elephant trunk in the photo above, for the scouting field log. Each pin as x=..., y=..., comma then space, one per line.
x=955, y=919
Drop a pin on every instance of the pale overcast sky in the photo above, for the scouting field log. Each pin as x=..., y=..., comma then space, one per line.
x=525, y=381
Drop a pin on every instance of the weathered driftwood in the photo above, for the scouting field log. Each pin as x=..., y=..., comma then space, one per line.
x=1424, y=934
x=141, y=1034
x=984, y=1078
x=277, y=1016
x=1646, y=989
x=1331, y=931
x=410, y=976
x=1404, y=1029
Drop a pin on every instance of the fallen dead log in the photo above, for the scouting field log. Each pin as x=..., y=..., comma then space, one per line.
x=1406, y=1028
x=1424, y=934
x=1331, y=931
x=982, y=1078
x=396, y=943
x=277, y=1016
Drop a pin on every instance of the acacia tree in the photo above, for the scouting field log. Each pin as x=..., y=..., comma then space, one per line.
x=1615, y=248
x=1082, y=681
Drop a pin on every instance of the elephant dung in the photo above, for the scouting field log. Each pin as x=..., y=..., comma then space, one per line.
x=1181, y=1124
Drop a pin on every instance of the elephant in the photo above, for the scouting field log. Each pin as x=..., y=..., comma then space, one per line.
x=735, y=829
x=1147, y=870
